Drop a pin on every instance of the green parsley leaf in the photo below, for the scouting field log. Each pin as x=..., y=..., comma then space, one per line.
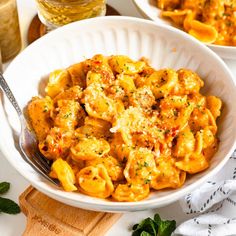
x=157, y=219
x=4, y=187
x=144, y=233
x=166, y=227
x=147, y=225
x=156, y=227
x=8, y=206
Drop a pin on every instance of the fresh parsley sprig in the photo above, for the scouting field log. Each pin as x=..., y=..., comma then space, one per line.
x=4, y=187
x=154, y=227
x=6, y=205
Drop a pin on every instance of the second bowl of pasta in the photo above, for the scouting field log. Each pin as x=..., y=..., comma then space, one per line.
x=211, y=22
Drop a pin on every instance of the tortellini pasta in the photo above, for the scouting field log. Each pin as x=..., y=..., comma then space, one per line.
x=169, y=175
x=117, y=129
x=63, y=171
x=95, y=181
x=210, y=21
x=140, y=167
x=39, y=113
x=90, y=148
x=131, y=192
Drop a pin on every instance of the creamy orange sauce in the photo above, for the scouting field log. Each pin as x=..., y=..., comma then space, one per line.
x=218, y=18
x=118, y=128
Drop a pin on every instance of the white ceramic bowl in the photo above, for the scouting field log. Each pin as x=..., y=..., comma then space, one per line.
x=164, y=46
x=148, y=8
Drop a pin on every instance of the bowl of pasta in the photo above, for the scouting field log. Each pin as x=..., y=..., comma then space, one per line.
x=131, y=114
x=212, y=22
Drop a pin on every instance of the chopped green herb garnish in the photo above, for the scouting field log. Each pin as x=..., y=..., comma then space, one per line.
x=145, y=164
x=147, y=181
x=175, y=113
x=67, y=115
x=45, y=109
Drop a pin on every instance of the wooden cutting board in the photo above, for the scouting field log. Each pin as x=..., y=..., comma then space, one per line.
x=48, y=217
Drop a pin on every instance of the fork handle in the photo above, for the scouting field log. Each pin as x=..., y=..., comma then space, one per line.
x=9, y=94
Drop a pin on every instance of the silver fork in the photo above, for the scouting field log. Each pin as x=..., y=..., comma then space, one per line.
x=27, y=141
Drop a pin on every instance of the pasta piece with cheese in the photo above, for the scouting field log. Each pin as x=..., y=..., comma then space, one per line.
x=169, y=175
x=212, y=10
x=189, y=81
x=184, y=116
x=140, y=79
x=204, y=139
x=130, y=192
x=193, y=163
x=69, y=114
x=197, y=99
x=208, y=137
x=164, y=150
x=162, y=82
x=126, y=82
x=142, y=97
x=214, y=104
x=116, y=92
x=175, y=112
x=98, y=70
x=65, y=174
x=140, y=167
x=173, y=101
x=210, y=150
x=119, y=149
x=77, y=74
x=74, y=93
x=113, y=166
x=95, y=181
x=200, y=118
x=39, y=110
x=89, y=148
x=57, y=143
x=98, y=105
x=185, y=143
x=98, y=124
x=123, y=64
x=93, y=77
x=59, y=81
x=94, y=127
x=135, y=128
x=196, y=161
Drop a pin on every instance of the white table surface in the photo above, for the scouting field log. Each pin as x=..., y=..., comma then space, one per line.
x=15, y=225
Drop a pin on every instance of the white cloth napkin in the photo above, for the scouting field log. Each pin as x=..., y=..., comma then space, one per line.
x=212, y=206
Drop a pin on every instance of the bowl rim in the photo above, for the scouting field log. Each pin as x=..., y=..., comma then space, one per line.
x=110, y=205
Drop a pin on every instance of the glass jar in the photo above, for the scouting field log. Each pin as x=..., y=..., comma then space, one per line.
x=55, y=13
x=10, y=38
